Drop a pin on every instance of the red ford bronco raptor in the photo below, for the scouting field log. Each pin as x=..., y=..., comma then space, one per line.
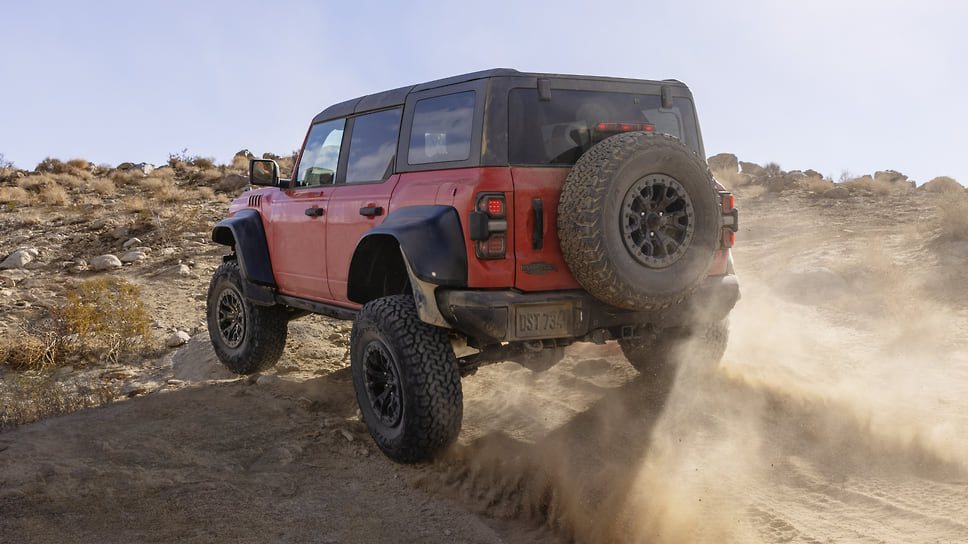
x=491, y=216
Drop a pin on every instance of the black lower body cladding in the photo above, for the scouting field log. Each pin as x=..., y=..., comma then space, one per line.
x=639, y=221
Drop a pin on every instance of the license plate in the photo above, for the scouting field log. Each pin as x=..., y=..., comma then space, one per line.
x=543, y=320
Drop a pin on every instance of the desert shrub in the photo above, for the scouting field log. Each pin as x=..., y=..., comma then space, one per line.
x=54, y=194
x=163, y=189
x=14, y=196
x=170, y=222
x=240, y=162
x=816, y=185
x=103, y=186
x=50, y=166
x=126, y=177
x=954, y=219
x=871, y=185
x=106, y=315
x=204, y=163
x=79, y=164
x=103, y=318
x=33, y=396
x=285, y=163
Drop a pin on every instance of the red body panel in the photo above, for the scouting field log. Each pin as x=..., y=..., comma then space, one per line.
x=297, y=241
x=347, y=225
x=541, y=269
x=459, y=188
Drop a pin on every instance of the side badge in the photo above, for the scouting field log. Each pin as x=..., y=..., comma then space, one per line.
x=538, y=268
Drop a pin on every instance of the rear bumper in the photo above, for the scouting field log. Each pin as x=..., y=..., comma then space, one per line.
x=510, y=316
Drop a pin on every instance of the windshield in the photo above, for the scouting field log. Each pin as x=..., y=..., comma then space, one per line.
x=559, y=130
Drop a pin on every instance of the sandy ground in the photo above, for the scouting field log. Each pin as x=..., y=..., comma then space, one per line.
x=839, y=414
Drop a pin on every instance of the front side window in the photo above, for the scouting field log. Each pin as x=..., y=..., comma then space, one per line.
x=442, y=128
x=559, y=130
x=320, y=155
x=373, y=146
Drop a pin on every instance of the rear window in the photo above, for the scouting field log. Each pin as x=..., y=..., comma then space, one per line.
x=558, y=131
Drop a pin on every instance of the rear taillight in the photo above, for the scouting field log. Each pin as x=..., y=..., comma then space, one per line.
x=488, y=226
x=730, y=219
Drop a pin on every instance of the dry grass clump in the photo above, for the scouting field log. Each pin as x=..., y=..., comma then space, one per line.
x=103, y=186
x=102, y=319
x=13, y=197
x=29, y=397
x=816, y=185
x=164, y=189
x=171, y=222
x=872, y=185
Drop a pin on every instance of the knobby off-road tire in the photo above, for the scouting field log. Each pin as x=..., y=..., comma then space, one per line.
x=638, y=220
x=656, y=349
x=246, y=337
x=407, y=380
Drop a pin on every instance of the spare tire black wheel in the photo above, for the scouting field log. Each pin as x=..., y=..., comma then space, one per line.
x=639, y=220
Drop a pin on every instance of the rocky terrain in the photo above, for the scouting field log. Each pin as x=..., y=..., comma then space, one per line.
x=838, y=414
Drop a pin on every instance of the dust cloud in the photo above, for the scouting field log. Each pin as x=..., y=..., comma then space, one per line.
x=838, y=412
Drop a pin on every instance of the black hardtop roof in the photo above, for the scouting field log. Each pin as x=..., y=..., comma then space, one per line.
x=396, y=97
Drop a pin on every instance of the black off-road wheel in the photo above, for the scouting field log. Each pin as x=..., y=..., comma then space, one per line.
x=638, y=220
x=246, y=337
x=407, y=380
x=654, y=350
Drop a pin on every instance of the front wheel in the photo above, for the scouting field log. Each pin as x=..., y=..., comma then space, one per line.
x=246, y=337
x=407, y=380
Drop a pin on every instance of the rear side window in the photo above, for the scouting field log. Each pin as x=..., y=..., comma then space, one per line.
x=559, y=130
x=373, y=146
x=442, y=128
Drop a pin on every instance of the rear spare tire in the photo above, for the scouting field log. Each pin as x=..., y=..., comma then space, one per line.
x=639, y=220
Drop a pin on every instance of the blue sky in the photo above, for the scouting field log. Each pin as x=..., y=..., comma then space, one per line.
x=833, y=85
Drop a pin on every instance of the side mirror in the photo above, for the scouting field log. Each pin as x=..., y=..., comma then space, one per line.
x=263, y=172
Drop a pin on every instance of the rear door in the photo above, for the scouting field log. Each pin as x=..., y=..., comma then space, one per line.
x=361, y=199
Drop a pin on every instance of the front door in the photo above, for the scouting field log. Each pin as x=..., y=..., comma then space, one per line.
x=297, y=216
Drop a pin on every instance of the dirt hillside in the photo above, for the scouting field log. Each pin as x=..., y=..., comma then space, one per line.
x=839, y=412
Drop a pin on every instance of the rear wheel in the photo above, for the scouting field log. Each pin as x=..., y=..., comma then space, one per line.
x=246, y=337
x=407, y=380
x=656, y=349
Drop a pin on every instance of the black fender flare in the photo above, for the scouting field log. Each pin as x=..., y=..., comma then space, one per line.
x=432, y=242
x=244, y=233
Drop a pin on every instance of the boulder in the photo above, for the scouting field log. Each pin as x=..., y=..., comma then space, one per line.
x=180, y=338
x=231, y=182
x=724, y=162
x=19, y=259
x=837, y=193
x=135, y=255
x=131, y=242
x=943, y=184
x=752, y=169
x=177, y=270
x=106, y=262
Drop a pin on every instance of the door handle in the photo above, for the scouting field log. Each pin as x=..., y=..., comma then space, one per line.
x=314, y=212
x=371, y=211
